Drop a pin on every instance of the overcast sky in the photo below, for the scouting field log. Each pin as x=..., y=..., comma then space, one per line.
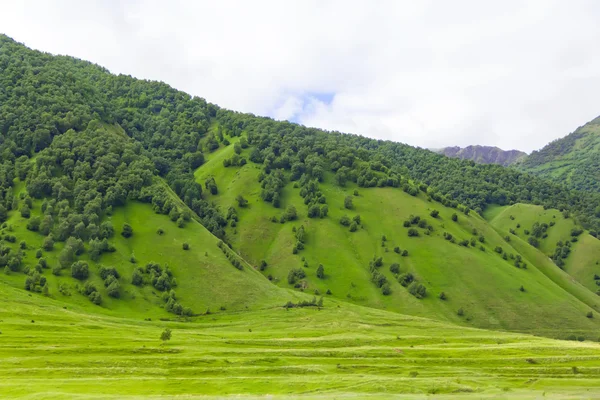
x=514, y=74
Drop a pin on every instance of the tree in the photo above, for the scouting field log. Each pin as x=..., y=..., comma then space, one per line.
x=348, y=203
x=165, y=335
x=242, y=202
x=113, y=289
x=434, y=213
x=412, y=232
x=395, y=268
x=353, y=226
x=186, y=246
x=442, y=296
x=320, y=272
x=127, y=231
x=345, y=220
x=454, y=217
x=25, y=211
x=290, y=213
x=80, y=270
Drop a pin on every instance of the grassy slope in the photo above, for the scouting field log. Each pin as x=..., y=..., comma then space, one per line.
x=459, y=272
x=583, y=261
x=569, y=158
x=337, y=352
x=206, y=279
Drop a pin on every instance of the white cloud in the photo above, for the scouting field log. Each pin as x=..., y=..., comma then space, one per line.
x=516, y=74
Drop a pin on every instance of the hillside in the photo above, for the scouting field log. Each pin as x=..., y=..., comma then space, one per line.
x=573, y=160
x=129, y=197
x=52, y=351
x=441, y=265
x=484, y=154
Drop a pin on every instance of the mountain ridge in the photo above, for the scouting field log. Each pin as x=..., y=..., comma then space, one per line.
x=484, y=154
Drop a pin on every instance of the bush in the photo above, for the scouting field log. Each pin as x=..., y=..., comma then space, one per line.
x=348, y=203
x=80, y=270
x=454, y=217
x=165, y=335
x=442, y=296
x=395, y=268
x=590, y=314
x=345, y=220
x=460, y=312
x=397, y=249
x=321, y=272
x=412, y=232
x=434, y=213
x=418, y=290
x=295, y=274
x=385, y=289
x=353, y=227
x=186, y=246
x=127, y=231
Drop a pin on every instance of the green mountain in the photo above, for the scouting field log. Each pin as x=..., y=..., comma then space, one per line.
x=573, y=160
x=484, y=154
x=143, y=200
x=271, y=250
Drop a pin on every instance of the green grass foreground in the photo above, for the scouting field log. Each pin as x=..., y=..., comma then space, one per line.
x=47, y=351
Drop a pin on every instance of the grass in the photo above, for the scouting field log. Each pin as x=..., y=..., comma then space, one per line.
x=461, y=273
x=341, y=351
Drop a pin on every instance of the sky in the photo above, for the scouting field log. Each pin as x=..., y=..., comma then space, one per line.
x=512, y=74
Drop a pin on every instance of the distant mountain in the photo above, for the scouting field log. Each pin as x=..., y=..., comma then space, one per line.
x=484, y=154
x=573, y=160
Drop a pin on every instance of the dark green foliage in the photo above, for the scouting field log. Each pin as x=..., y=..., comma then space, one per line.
x=395, y=268
x=442, y=296
x=386, y=290
x=460, y=312
x=295, y=275
x=165, y=335
x=127, y=231
x=590, y=314
x=137, y=278
x=454, y=217
x=320, y=272
x=290, y=213
x=418, y=290
x=186, y=246
x=434, y=213
x=345, y=220
x=412, y=232
x=348, y=202
x=406, y=279
x=242, y=202
x=106, y=272
x=80, y=270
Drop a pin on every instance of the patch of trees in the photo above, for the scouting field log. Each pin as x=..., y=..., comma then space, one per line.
x=561, y=252
x=305, y=303
x=233, y=258
x=295, y=275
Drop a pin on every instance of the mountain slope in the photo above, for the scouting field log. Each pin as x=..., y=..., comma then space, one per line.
x=112, y=170
x=438, y=264
x=573, y=160
x=484, y=154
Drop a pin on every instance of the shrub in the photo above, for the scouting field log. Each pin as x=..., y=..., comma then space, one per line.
x=165, y=335
x=385, y=289
x=80, y=270
x=127, y=231
x=345, y=220
x=412, y=232
x=590, y=314
x=395, y=268
x=460, y=312
x=186, y=246
x=442, y=296
x=353, y=227
x=418, y=290
x=320, y=271
x=348, y=203
x=434, y=213
x=454, y=217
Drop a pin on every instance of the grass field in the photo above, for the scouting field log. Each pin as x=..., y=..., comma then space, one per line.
x=48, y=351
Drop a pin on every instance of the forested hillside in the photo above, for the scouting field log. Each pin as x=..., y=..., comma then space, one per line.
x=111, y=187
x=573, y=160
x=484, y=154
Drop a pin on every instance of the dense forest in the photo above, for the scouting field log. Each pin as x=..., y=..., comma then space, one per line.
x=89, y=140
